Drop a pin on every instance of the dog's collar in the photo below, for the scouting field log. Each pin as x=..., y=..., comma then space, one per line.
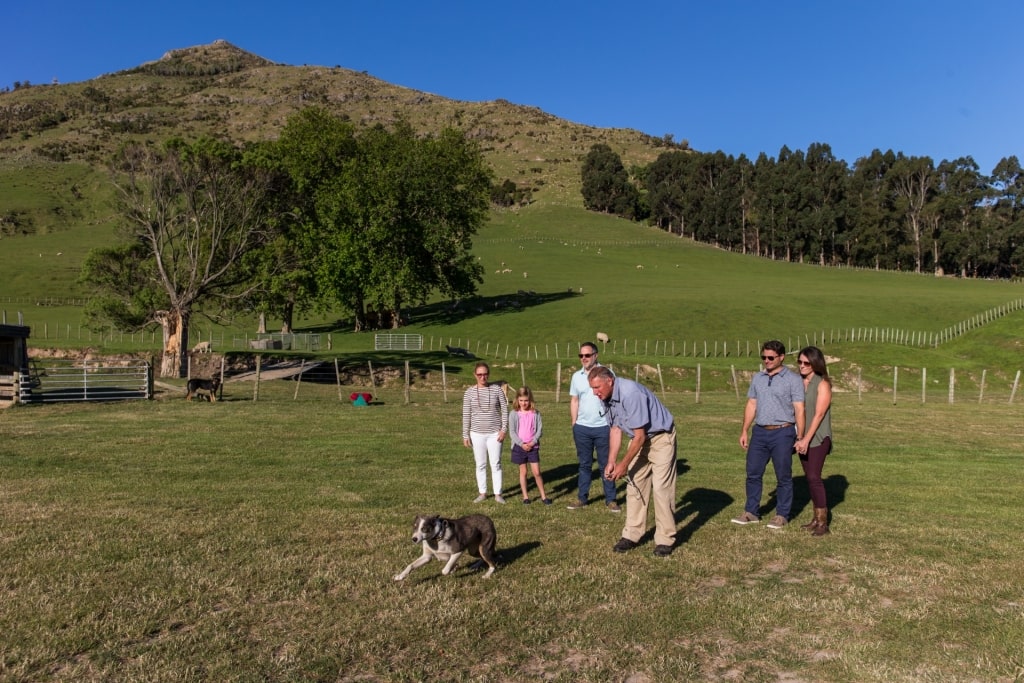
x=442, y=524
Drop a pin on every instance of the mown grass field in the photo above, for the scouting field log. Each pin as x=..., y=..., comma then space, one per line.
x=248, y=541
x=256, y=541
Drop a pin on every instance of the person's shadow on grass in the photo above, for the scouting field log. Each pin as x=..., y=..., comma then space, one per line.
x=835, y=494
x=704, y=505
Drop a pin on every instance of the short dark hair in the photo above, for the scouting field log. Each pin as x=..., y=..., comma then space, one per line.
x=592, y=345
x=774, y=345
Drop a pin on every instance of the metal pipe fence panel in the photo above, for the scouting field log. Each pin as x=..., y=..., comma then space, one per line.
x=84, y=380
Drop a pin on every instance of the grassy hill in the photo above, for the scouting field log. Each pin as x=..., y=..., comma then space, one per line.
x=55, y=139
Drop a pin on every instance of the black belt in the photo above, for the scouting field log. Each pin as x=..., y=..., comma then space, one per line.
x=663, y=431
x=787, y=424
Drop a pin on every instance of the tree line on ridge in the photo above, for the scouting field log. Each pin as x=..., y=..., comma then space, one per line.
x=887, y=211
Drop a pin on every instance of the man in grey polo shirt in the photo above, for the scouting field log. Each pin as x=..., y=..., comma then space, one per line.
x=775, y=406
x=649, y=463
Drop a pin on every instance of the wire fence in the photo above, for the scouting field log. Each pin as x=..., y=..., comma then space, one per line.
x=344, y=380
x=219, y=339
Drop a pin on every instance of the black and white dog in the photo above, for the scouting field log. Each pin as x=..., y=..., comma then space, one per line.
x=446, y=540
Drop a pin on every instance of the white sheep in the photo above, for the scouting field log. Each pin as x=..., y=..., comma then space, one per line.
x=602, y=337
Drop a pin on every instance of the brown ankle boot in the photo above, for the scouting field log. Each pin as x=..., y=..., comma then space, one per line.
x=811, y=525
x=820, y=522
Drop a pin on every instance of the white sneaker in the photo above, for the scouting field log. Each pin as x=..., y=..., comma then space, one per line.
x=481, y=498
x=499, y=499
x=745, y=518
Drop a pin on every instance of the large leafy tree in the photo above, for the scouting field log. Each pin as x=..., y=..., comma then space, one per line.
x=190, y=213
x=312, y=151
x=417, y=202
x=387, y=216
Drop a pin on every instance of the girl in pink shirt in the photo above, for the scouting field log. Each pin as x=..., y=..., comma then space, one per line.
x=524, y=426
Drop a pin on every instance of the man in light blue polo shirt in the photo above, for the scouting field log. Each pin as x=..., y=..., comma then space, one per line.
x=589, y=430
x=775, y=407
x=649, y=463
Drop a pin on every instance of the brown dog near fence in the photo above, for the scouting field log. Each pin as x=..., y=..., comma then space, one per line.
x=203, y=387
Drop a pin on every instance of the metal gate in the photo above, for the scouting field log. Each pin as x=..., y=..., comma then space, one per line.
x=85, y=380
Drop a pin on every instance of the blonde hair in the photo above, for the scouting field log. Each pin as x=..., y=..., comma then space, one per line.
x=525, y=391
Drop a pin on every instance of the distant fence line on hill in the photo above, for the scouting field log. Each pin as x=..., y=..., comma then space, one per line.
x=724, y=348
x=337, y=379
x=553, y=350
x=661, y=243
x=44, y=301
x=334, y=379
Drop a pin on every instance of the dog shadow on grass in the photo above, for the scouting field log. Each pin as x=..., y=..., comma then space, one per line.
x=506, y=556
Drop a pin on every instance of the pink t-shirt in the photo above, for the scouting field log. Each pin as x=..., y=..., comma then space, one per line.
x=527, y=425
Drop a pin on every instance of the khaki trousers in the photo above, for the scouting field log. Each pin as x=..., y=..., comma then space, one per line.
x=654, y=473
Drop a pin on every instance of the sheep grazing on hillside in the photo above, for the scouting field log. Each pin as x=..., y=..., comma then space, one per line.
x=602, y=337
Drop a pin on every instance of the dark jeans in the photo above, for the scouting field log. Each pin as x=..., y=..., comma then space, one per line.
x=775, y=445
x=588, y=441
x=813, y=461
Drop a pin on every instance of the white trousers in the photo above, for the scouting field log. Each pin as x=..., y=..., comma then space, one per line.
x=487, y=448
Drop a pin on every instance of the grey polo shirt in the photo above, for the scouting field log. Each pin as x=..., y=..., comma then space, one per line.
x=632, y=406
x=775, y=396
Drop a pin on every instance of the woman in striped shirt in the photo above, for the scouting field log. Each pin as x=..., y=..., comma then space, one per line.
x=484, y=427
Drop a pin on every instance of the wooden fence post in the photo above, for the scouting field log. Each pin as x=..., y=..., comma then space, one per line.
x=558, y=380
x=337, y=378
x=256, y=384
x=298, y=381
x=697, y=400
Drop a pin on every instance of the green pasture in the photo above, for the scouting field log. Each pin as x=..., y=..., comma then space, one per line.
x=582, y=277
x=255, y=541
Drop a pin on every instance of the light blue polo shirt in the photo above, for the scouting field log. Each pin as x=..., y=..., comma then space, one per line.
x=591, y=408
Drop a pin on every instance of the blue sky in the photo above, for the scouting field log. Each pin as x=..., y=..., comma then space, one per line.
x=925, y=77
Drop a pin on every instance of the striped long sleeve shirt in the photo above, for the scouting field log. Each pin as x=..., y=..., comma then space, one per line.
x=484, y=410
